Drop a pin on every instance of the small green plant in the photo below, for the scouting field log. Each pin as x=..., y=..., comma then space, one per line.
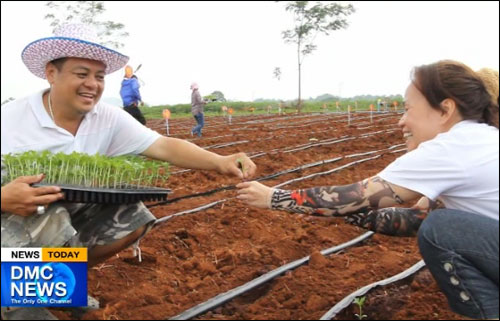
x=240, y=164
x=86, y=170
x=360, y=301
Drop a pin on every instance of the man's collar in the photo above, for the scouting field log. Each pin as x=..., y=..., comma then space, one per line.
x=43, y=116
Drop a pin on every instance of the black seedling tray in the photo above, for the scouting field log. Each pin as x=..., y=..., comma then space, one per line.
x=79, y=194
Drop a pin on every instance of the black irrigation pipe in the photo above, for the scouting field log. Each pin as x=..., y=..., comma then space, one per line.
x=263, y=178
x=296, y=125
x=166, y=218
x=331, y=116
x=327, y=172
x=213, y=191
x=266, y=119
x=319, y=144
x=186, y=124
x=226, y=144
x=267, y=177
x=226, y=296
x=345, y=302
x=193, y=210
x=306, y=146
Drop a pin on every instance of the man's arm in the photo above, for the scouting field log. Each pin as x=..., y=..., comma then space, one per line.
x=182, y=153
x=185, y=154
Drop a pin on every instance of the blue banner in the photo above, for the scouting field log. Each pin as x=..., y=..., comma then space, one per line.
x=44, y=284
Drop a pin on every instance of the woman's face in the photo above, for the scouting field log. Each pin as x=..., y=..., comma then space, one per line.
x=420, y=122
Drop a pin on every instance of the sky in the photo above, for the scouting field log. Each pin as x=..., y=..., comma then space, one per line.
x=234, y=47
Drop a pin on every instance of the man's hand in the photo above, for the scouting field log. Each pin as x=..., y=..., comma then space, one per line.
x=255, y=194
x=18, y=197
x=237, y=164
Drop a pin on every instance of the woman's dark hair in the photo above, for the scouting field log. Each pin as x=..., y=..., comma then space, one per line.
x=451, y=79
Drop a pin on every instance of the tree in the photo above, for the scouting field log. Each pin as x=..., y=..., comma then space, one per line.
x=215, y=96
x=311, y=21
x=219, y=95
x=86, y=12
x=7, y=100
x=277, y=73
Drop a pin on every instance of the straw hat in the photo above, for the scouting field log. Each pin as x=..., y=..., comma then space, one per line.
x=490, y=80
x=70, y=40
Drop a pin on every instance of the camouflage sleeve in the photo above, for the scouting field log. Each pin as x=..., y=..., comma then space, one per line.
x=393, y=221
x=367, y=204
x=371, y=193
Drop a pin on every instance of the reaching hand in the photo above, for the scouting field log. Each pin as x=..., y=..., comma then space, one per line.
x=237, y=164
x=18, y=197
x=255, y=194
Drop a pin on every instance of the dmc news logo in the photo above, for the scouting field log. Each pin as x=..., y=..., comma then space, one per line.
x=53, y=277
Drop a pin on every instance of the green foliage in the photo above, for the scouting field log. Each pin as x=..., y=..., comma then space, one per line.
x=215, y=96
x=311, y=21
x=86, y=12
x=260, y=105
x=360, y=301
x=86, y=170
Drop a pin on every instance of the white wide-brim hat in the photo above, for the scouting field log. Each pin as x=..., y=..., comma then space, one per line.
x=70, y=40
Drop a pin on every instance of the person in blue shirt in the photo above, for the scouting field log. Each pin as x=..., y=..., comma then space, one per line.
x=131, y=96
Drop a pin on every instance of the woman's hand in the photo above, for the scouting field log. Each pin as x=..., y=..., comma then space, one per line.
x=237, y=164
x=255, y=194
x=18, y=197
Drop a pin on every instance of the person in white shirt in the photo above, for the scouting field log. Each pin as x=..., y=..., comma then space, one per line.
x=69, y=117
x=451, y=129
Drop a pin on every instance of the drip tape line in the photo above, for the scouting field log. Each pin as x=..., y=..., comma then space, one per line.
x=270, y=176
x=345, y=302
x=226, y=296
x=193, y=210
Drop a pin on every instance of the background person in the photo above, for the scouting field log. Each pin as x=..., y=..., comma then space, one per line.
x=131, y=96
x=451, y=129
x=197, y=104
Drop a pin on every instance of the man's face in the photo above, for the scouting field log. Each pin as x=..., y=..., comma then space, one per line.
x=78, y=85
x=420, y=121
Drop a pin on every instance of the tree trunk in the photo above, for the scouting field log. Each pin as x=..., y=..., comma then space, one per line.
x=299, y=101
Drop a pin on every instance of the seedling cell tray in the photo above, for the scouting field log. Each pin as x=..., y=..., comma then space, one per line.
x=79, y=194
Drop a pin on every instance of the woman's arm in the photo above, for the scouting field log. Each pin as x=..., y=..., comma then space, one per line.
x=371, y=193
x=393, y=221
x=358, y=202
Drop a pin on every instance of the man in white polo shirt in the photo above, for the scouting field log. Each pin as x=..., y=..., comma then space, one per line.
x=68, y=117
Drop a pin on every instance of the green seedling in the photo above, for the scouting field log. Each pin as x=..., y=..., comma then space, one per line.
x=240, y=164
x=97, y=171
x=360, y=301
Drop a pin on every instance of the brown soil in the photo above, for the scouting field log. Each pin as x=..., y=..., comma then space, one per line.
x=192, y=258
